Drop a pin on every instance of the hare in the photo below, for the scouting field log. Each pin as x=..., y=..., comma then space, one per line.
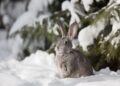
x=70, y=63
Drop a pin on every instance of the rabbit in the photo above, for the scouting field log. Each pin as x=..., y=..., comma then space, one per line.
x=71, y=63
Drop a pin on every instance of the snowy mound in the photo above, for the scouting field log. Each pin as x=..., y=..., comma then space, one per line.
x=39, y=70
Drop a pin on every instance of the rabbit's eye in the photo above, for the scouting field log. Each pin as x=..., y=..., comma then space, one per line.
x=65, y=42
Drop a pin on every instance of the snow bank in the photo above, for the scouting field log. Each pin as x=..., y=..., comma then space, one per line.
x=87, y=35
x=39, y=70
x=5, y=50
x=9, y=48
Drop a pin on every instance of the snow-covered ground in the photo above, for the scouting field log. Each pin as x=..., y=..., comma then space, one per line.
x=39, y=70
x=5, y=50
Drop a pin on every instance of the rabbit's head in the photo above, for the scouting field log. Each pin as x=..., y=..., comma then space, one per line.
x=65, y=43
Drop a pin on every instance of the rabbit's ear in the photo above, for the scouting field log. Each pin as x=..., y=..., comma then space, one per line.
x=72, y=32
x=62, y=29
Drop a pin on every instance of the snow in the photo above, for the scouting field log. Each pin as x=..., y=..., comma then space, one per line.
x=13, y=9
x=55, y=31
x=18, y=45
x=117, y=1
x=69, y=5
x=5, y=50
x=115, y=41
x=6, y=20
x=38, y=5
x=115, y=28
x=27, y=18
x=42, y=17
x=87, y=4
x=39, y=70
x=87, y=35
x=30, y=17
x=17, y=9
x=12, y=81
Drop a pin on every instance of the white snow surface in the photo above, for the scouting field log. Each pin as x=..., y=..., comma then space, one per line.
x=27, y=18
x=6, y=20
x=5, y=47
x=39, y=70
x=39, y=5
x=13, y=9
x=69, y=5
x=87, y=4
x=87, y=35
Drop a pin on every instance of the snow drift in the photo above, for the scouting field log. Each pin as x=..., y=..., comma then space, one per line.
x=39, y=70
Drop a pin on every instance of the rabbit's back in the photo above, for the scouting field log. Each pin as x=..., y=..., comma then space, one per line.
x=73, y=64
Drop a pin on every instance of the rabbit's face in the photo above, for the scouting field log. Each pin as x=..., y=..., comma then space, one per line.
x=64, y=45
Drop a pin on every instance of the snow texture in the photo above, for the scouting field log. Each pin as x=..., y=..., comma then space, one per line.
x=9, y=48
x=25, y=19
x=115, y=28
x=6, y=20
x=87, y=35
x=12, y=9
x=39, y=70
x=87, y=4
x=117, y=1
x=5, y=49
x=39, y=5
x=69, y=5
x=36, y=8
x=115, y=41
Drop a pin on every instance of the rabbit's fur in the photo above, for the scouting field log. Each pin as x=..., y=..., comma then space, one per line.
x=70, y=62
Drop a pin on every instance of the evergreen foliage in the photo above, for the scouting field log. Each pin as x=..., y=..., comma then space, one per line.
x=103, y=53
x=33, y=36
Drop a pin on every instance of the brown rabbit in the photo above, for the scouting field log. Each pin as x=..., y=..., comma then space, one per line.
x=71, y=63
